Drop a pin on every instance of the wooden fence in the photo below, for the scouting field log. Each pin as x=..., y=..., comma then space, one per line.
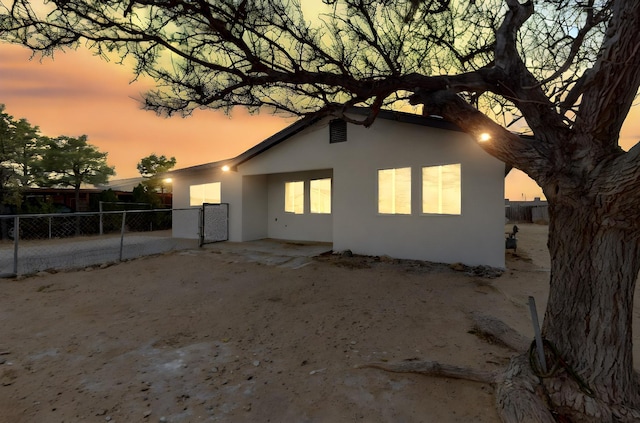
x=527, y=213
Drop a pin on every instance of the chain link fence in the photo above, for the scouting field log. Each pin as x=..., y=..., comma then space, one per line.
x=32, y=243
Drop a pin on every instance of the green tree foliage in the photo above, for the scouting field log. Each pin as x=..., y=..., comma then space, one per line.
x=29, y=159
x=142, y=194
x=8, y=181
x=29, y=146
x=108, y=196
x=71, y=162
x=152, y=167
x=153, y=164
x=20, y=157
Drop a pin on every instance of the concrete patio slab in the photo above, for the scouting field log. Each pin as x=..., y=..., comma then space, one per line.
x=274, y=252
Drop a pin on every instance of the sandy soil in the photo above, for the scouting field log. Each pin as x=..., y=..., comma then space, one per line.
x=211, y=335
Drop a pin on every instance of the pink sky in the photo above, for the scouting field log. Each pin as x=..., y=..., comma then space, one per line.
x=77, y=93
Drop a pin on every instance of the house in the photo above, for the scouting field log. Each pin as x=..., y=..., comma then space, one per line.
x=62, y=200
x=409, y=187
x=128, y=185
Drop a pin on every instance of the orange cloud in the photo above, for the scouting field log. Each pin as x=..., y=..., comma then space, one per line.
x=77, y=93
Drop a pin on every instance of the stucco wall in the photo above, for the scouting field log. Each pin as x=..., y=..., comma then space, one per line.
x=185, y=218
x=184, y=224
x=300, y=227
x=256, y=194
x=474, y=237
x=254, y=202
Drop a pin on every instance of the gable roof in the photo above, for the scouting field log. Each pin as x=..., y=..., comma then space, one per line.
x=307, y=121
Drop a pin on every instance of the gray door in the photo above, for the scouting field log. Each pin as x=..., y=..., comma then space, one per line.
x=215, y=223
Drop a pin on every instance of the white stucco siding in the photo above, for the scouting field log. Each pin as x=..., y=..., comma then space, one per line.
x=255, y=193
x=307, y=150
x=231, y=187
x=255, y=207
x=474, y=237
x=300, y=227
x=184, y=225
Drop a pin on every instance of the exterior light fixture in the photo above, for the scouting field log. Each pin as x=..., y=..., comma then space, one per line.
x=165, y=181
x=484, y=137
x=225, y=168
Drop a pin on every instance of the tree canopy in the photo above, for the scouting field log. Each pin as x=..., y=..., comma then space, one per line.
x=29, y=159
x=301, y=58
x=151, y=168
x=73, y=161
x=21, y=147
x=153, y=164
x=546, y=66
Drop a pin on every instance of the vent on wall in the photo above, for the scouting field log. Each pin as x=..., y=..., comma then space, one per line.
x=337, y=131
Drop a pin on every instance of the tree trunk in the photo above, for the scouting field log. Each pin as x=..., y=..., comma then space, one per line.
x=594, y=242
x=588, y=319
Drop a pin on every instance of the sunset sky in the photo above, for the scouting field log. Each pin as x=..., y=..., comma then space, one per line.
x=77, y=93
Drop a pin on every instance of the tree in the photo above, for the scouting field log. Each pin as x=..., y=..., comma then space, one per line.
x=565, y=71
x=8, y=176
x=20, y=157
x=71, y=162
x=152, y=166
x=142, y=194
x=29, y=147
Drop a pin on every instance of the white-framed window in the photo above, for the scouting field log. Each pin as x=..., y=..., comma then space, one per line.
x=294, y=197
x=394, y=191
x=204, y=193
x=320, y=196
x=442, y=189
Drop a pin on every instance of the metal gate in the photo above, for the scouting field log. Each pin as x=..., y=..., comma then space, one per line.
x=214, y=226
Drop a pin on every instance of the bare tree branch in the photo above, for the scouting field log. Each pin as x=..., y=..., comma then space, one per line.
x=367, y=52
x=614, y=79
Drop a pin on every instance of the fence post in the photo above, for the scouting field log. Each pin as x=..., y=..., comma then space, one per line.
x=16, y=237
x=124, y=218
x=100, y=208
x=201, y=225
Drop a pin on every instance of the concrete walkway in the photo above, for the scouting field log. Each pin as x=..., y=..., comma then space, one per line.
x=273, y=252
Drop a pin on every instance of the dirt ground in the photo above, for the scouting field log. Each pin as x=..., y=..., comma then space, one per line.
x=212, y=335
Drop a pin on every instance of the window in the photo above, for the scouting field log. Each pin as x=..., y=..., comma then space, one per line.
x=394, y=191
x=204, y=193
x=441, y=189
x=320, y=195
x=294, y=197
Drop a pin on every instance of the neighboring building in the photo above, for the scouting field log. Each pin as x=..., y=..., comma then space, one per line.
x=408, y=187
x=64, y=199
x=128, y=186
